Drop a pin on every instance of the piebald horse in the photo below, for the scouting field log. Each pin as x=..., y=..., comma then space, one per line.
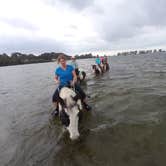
x=70, y=107
x=97, y=70
x=80, y=76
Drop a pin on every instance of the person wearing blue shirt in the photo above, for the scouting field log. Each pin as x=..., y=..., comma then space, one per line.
x=65, y=76
x=98, y=61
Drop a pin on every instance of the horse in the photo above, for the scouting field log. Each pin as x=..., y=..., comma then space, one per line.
x=97, y=70
x=100, y=69
x=80, y=76
x=69, y=109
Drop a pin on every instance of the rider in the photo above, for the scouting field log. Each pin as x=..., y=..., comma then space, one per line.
x=98, y=62
x=79, y=73
x=102, y=60
x=75, y=65
x=65, y=75
x=105, y=60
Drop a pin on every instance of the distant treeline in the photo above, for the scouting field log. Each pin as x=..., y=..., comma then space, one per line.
x=19, y=58
x=139, y=52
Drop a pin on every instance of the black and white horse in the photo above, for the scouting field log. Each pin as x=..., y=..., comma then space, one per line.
x=97, y=70
x=80, y=76
x=69, y=109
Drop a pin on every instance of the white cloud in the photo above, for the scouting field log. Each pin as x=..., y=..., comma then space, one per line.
x=79, y=26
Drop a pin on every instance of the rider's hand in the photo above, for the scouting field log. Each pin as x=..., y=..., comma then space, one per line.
x=57, y=81
x=72, y=83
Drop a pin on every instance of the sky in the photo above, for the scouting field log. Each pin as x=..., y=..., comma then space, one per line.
x=81, y=26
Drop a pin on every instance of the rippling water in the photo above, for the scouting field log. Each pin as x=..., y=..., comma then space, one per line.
x=126, y=126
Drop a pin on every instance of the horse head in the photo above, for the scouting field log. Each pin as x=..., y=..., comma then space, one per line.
x=83, y=75
x=94, y=67
x=72, y=106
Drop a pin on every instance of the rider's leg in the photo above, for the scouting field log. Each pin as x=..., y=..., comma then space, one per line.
x=83, y=96
x=80, y=92
x=55, y=102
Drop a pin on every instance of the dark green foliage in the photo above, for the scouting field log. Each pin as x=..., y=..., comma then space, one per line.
x=17, y=58
x=85, y=56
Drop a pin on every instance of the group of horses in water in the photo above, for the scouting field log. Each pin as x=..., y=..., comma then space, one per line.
x=100, y=69
x=97, y=70
x=71, y=105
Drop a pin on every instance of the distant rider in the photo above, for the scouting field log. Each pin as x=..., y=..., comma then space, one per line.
x=80, y=73
x=74, y=64
x=98, y=62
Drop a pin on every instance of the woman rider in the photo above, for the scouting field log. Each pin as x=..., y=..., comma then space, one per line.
x=65, y=76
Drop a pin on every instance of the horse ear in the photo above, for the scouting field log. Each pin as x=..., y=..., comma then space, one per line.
x=76, y=97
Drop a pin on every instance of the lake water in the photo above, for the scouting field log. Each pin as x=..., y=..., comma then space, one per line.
x=126, y=127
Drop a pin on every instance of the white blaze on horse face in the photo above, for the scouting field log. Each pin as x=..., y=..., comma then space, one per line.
x=73, y=126
x=72, y=110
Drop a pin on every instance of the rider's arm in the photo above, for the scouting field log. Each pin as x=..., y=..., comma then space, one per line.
x=56, y=79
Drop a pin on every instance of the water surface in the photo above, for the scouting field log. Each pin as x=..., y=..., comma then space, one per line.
x=126, y=126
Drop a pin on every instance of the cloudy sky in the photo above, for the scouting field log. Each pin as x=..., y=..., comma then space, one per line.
x=79, y=26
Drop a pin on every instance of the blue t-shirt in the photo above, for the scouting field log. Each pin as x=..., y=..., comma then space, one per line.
x=65, y=76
